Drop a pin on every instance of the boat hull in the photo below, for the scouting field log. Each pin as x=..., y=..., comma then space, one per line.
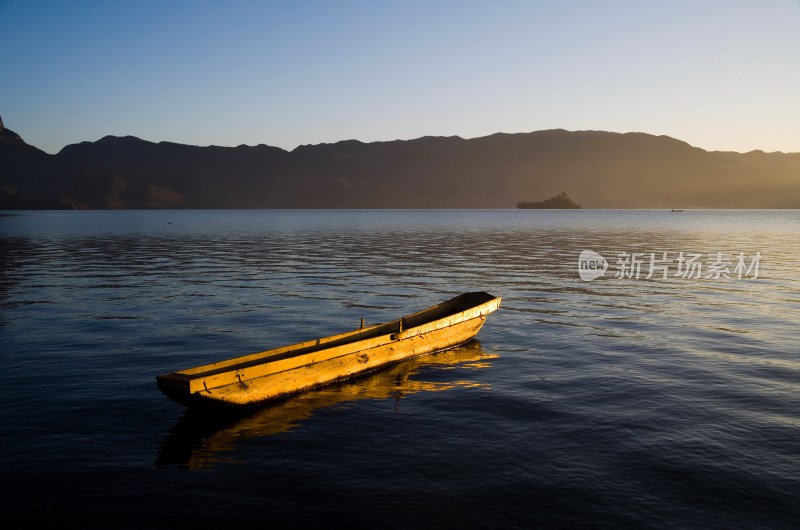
x=285, y=371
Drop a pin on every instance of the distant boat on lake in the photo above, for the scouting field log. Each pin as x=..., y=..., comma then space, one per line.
x=557, y=202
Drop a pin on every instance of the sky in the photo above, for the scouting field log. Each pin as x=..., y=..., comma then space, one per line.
x=720, y=75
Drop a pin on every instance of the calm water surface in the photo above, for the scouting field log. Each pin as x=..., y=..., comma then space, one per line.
x=615, y=403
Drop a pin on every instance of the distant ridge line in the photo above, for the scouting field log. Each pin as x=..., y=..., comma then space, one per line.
x=600, y=169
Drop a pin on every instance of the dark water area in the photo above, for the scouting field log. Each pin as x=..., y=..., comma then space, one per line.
x=622, y=402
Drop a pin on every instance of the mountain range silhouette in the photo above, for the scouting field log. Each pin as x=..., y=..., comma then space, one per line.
x=598, y=169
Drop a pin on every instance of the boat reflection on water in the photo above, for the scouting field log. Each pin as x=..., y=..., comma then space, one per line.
x=201, y=438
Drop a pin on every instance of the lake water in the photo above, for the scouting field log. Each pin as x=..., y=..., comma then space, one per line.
x=621, y=402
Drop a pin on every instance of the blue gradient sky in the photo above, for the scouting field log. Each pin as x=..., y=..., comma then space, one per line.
x=720, y=75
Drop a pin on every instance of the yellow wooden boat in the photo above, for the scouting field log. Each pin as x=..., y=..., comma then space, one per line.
x=283, y=371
